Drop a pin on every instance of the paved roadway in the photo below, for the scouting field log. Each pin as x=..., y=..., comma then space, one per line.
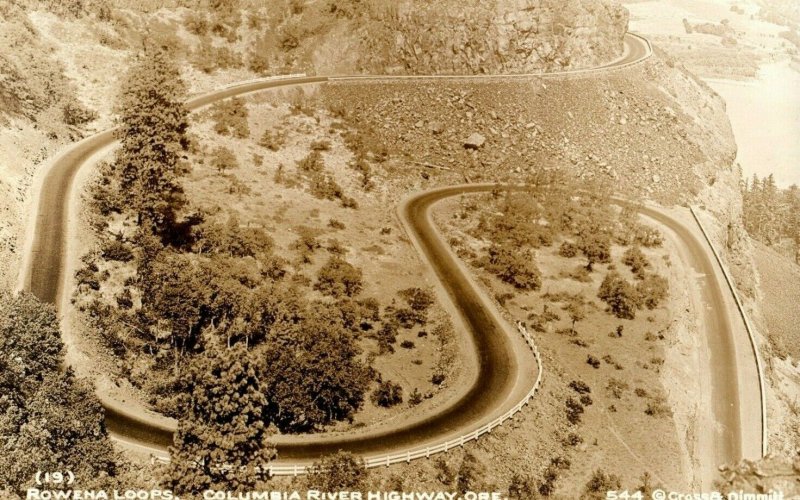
x=498, y=377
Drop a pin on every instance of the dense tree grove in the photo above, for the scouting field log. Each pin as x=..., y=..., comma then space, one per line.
x=49, y=419
x=772, y=214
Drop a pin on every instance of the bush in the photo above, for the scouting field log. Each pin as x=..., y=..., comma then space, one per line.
x=594, y=362
x=117, y=250
x=616, y=388
x=596, y=247
x=335, y=224
x=387, y=394
x=600, y=483
x=230, y=117
x=338, y=277
x=407, y=344
x=580, y=387
x=635, y=259
x=417, y=298
x=574, y=411
x=568, y=249
x=415, y=398
x=658, y=407
x=340, y=472
x=514, y=267
x=652, y=290
x=437, y=378
x=273, y=139
x=620, y=295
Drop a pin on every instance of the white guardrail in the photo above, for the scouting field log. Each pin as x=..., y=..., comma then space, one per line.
x=427, y=452
x=750, y=333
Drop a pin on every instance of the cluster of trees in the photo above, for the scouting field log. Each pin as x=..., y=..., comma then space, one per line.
x=624, y=298
x=771, y=214
x=49, y=419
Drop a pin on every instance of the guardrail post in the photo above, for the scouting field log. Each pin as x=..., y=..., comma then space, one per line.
x=462, y=441
x=387, y=461
x=427, y=452
x=294, y=470
x=408, y=457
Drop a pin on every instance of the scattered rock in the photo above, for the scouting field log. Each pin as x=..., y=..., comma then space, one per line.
x=475, y=141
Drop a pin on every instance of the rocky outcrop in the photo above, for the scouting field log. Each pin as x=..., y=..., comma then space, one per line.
x=493, y=36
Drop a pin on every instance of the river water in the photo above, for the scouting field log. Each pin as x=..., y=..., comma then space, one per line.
x=765, y=116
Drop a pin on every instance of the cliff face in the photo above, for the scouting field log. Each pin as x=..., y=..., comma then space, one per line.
x=492, y=36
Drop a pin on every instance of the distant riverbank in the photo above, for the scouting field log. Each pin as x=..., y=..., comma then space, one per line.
x=765, y=116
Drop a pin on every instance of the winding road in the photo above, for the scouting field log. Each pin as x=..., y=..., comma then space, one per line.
x=502, y=364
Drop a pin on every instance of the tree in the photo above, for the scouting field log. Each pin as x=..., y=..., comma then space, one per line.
x=152, y=132
x=222, y=441
x=620, y=295
x=338, y=278
x=342, y=471
x=417, y=298
x=223, y=158
x=576, y=308
x=596, y=247
x=312, y=372
x=516, y=268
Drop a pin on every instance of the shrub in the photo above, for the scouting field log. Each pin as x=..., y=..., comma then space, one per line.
x=616, y=387
x=600, y=483
x=438, y=378
x=657, y=407
x=586, y=400
x=514, y=267
x=407, y=344
x=415, y=398
x=387, y=394
x=417, y=298
x=580, y=387
x=568, y=249
x=273, y=139
x=321, y=145
x=635, y=259
x=342, y=471
x=521, y=487
x=572, y=439
x=594, y=362
x=117, y=250
x=652, y=290
x=336, y=224
x=230, y=117
x=620, y=295
x=574, y=411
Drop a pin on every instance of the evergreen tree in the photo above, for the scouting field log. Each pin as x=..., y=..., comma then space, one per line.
x=152, y=132
x=222, y=441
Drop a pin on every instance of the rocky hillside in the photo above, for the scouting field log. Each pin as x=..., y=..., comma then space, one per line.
x=493, y=36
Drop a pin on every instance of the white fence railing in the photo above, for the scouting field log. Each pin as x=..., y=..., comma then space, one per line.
x=750, y=333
